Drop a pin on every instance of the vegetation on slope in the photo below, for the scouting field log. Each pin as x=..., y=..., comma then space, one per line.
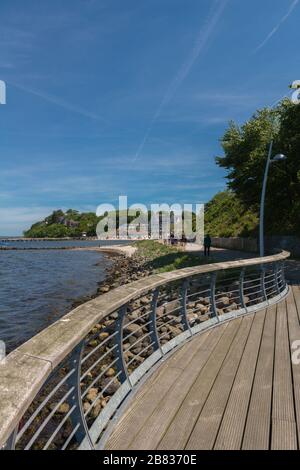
x=245, y=152
x=64, y=224
x=68, y=224
x=227, y=216
x=163, y=258
x=73, y=223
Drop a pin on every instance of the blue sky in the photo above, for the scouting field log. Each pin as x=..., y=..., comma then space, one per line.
x=109, y=97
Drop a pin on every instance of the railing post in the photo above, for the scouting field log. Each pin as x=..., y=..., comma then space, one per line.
x=120, y=363
x=241, y=289
x=275, y=268
x=283, y=274
x=280, y=275
x=77, y=417
x=213, y=280
x=11, y=441
x=153, y=329
x=262, y=283
x=185, y=320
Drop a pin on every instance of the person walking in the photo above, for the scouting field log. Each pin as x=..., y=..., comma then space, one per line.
x=207, y=244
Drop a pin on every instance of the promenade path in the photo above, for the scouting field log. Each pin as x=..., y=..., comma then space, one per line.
x=231, y=387
x=220, y=255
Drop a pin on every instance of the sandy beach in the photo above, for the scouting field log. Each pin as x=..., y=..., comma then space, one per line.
x=127, y=250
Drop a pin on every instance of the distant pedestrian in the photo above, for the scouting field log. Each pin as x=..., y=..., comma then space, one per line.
x=207, y=243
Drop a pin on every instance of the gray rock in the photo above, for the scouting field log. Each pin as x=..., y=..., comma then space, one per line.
x=223, y=302
x=192, y=318
x=104, y=289
x=206, y=301
x=202, y=309
x=160, y=311
x=92, y=394
x=145, y=300
x=112, y=388
x=232, y=306
x=63, y=409
x=191, y=305
x=171, y=306
x=174, y=330
x=133, y=328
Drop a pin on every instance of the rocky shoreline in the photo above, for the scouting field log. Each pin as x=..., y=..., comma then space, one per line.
x=124, y=270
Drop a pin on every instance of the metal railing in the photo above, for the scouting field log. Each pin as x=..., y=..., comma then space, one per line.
x=61, y=389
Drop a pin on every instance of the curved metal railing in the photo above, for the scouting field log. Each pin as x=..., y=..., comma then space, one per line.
x=61, y=389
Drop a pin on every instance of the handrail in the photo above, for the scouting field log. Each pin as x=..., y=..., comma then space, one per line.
x=26, y=370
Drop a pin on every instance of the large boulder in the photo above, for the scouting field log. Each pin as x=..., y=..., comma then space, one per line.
x=172, y=306
x=223, y=302
x=133, y=329
x=112, y=387
x=92, y=394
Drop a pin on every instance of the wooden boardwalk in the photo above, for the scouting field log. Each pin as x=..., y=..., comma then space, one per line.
x=232, y=387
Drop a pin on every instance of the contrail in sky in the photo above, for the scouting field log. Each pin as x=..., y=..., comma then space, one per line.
x=274, y=30
x=184, y=70
x=58, y=102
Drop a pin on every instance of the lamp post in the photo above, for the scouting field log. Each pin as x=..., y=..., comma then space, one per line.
x=278, y=158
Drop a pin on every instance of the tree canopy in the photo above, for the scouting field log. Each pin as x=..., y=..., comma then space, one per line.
x=245, y=152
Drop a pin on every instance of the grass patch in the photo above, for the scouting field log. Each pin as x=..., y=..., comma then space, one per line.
x=163, y=258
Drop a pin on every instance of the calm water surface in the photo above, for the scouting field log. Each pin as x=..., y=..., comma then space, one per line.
x=38, y=287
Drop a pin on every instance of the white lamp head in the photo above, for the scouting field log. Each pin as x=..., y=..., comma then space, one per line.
x=279, y=158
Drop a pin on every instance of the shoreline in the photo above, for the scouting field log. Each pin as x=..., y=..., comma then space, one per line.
x=128, y=250
x=46, y=239
x=127, y=266
x=28, y=239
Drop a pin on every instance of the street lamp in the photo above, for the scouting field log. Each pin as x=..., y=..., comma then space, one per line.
x=277, y=158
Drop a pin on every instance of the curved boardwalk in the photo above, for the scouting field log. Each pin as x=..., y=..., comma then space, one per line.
x=232, y=387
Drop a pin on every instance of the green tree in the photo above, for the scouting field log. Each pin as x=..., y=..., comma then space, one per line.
x=55, y=217
x=245, y=152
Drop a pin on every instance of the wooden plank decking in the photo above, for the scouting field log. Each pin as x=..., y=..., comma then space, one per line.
x=232, y=387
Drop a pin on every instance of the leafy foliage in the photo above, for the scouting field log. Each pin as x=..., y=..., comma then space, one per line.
x=226, y=216
x=235, y=212
x=72, y=223
x=60, y=225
